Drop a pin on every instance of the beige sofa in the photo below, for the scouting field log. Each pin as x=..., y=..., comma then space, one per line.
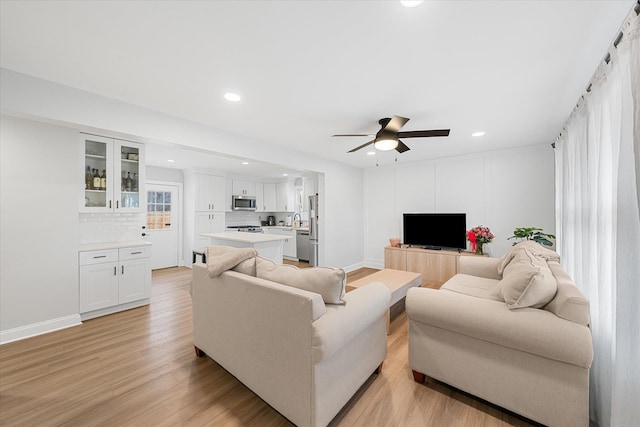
x=304, y=357
x=481, y=333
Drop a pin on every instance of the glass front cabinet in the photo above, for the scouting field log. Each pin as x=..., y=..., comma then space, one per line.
x=113, y=173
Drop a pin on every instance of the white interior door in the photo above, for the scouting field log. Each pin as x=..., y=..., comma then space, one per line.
x=162, y=224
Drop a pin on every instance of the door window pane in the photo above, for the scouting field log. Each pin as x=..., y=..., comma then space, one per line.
x=159, y=210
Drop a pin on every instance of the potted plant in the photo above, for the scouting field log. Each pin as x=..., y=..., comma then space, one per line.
x=532, y=233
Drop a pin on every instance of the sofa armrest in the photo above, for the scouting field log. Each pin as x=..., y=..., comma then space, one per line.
x=527, y=329
x=479, y=266
x=364, y=306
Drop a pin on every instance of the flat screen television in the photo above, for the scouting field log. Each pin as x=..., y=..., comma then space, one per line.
x=435, y=230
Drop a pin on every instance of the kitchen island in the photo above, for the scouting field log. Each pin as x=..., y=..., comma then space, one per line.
x=269, y=246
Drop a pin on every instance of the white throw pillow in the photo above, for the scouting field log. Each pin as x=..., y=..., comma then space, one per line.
x=526, y=281
x=327, y=281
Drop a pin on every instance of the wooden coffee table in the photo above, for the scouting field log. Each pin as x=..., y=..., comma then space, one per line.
x=397, y=281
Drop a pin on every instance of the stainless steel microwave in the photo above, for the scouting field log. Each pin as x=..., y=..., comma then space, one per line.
x=243, y=203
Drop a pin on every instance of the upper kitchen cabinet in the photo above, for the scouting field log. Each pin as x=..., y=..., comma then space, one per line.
x=244, y=188
x=209, y=193
x=269, y=197
x=260, y=197
x=285, y=197
x=113, y=175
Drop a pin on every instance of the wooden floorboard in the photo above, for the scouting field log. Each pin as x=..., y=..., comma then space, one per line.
x=138, y=368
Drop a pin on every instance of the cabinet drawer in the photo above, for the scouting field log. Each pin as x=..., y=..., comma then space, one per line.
x=98, y=257
x=135, y=252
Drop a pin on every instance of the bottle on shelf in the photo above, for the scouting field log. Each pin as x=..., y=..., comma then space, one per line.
x=123, y=185
x=134, y=184
x=103, y=180
x=88, y=179
x=129, y=182
x=96, y=180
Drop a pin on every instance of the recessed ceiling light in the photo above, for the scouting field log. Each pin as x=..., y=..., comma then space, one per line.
x=410, y=3
x=371, y=153
x=479, y=133
x=285, y=174
x=245, y=163
x=233, y=97
x=171, y=161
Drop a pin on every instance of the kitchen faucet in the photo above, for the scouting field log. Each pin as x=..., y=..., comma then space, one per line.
x=299, y=219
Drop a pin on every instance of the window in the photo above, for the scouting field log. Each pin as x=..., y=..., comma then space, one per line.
x=159, y=210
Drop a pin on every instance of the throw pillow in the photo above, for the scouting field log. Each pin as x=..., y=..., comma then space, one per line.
x=527, y=281
x=326, y=281
x=248, y=267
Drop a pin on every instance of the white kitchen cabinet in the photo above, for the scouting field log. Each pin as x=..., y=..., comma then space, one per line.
x=290, y=248
x=260, y=197
x=244, y=188
x=205, y=204
x=207, y=222
x=210, y=194
x=285, y=200
x=118, y=184
x=112, y=280
x=269, y=191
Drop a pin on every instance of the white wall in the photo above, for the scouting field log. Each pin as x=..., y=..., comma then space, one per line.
x=39, y=178
x=155, y=173
x=499, y=189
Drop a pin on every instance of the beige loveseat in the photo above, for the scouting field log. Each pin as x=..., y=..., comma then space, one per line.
x=513, y=331
x=304, y=357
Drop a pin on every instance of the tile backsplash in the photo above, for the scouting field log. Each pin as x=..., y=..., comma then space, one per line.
x=109, y=227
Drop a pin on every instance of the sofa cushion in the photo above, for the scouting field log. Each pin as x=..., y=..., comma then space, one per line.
x=327, y=281
x=526, y=281
x=475, y=286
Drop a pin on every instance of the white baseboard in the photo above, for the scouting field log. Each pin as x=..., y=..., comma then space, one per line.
x=352, y=267
x=39, y=328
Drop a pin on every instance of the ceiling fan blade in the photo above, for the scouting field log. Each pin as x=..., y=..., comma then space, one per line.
x=423, y=133
x=395, y=124
x=402, y=147
x=355, y=134
x=362, y=146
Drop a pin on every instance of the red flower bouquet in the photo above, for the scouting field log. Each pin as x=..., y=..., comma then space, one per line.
x=478, y=236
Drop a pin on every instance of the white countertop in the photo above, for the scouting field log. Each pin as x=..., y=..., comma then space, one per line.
x=238, y=236
x=112, y=245
x=284, y=227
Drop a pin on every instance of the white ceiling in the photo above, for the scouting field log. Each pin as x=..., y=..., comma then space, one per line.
x=310, y=69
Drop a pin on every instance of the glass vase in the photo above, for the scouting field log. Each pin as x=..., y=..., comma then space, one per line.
x=479, y=250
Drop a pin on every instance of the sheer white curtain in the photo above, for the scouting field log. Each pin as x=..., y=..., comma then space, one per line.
x=598, y=226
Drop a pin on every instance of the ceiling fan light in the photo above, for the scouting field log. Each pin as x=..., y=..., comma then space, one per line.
x=386, y=144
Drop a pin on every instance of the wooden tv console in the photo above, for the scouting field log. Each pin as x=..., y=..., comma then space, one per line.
x=436, y=266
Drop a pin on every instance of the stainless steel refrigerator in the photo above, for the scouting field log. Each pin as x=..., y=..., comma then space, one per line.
x=313, y=230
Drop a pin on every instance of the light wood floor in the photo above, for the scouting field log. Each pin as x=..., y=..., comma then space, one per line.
x=139, y=368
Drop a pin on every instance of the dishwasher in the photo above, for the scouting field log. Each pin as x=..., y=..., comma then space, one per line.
x=303, y=246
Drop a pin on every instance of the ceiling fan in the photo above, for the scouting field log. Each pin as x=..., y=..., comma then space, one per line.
x=388, y=137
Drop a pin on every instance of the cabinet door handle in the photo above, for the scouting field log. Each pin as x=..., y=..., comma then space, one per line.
x=109, y=204
x=136, y=253
x=101, y=256
x=117, y=204
x=122, y=270
x=115, y=270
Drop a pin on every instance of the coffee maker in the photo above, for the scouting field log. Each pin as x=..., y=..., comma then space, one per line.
x=271, y=220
